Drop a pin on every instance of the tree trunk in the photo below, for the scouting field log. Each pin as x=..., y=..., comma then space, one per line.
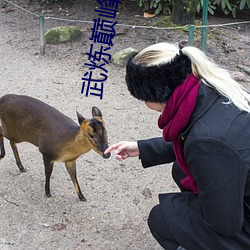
x=183, y=11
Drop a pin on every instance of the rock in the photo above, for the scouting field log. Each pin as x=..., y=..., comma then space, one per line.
x=2, y=3
x=120, y=59
x=239, y=76
x=45, y=225
x=136, y=201
x=63, y=34
x=147, y=193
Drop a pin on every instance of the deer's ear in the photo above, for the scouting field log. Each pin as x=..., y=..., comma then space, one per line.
x=80, y=118
x=96, y=112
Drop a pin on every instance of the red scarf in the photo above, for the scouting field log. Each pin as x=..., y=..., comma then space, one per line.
x=174, y=119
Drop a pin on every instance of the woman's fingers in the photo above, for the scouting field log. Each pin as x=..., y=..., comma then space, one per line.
x=113, y=147
x=124, y=149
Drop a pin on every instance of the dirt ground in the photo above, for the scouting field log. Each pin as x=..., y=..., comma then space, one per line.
x=119, y=195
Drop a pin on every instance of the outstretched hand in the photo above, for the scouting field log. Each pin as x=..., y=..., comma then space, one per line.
x=124, y=150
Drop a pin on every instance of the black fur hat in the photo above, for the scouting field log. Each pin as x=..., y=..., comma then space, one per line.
x=156, y=83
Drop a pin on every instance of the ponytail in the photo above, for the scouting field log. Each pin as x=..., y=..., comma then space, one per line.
x=218, y=78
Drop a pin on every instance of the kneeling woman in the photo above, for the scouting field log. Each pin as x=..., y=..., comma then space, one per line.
x=205, y=118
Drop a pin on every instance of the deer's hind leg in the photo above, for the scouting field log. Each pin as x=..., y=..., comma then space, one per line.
x=1, y=144
x=71, y=168
x=18, y=161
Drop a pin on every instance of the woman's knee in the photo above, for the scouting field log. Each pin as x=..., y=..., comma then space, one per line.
x=153, y=218
x=159, y=229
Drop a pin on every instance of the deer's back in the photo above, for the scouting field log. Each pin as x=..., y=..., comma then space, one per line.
x=24, y=118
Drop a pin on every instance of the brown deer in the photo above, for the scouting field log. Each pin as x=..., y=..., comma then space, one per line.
x=59, y=139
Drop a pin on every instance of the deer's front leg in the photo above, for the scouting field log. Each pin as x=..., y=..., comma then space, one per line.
x=71, y=168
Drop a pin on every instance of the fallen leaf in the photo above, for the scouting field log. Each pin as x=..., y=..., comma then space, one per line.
x=58, y=227
x=147, y=15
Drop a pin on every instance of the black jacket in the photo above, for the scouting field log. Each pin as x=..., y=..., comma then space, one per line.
x=216, y=145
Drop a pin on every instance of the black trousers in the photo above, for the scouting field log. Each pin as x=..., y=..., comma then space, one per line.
x=179, y=221
x=156, y=222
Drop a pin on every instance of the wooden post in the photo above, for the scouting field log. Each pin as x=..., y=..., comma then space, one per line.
x=191, y=35
x=42, y=31
x=204, y=24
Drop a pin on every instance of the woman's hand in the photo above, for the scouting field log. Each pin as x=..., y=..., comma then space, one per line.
x=124, y=149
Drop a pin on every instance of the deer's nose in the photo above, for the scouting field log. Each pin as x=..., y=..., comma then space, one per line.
x=106, y=156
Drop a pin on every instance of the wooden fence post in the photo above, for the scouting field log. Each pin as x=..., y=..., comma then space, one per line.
x=42, y=31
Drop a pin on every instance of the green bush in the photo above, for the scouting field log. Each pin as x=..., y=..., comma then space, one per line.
x=156, y=6
x=211, y=7
x=232, y=6
x=165, y=6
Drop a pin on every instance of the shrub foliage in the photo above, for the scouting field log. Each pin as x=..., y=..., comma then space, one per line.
x=165, y=6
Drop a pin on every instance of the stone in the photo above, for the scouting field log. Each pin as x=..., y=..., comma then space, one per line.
x=121, y=58
x=2, y=3
x=63, y=34
x=147, y=193
x=239, y=76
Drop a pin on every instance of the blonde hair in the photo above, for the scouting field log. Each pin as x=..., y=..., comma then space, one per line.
x=204, y=68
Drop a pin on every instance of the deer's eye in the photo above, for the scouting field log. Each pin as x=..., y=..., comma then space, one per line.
x=91, y=136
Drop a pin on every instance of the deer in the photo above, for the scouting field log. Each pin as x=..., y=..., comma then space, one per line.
x=58, y=137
